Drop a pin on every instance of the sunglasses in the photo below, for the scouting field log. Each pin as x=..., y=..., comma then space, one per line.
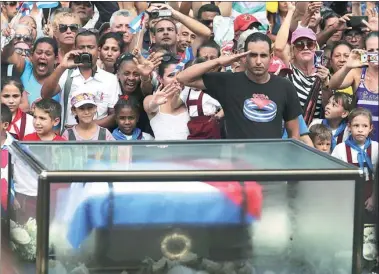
x=91, y=30
x=63, y=28
x=122, y=58
x=25, y=38
x=300, y=45
x=167, y=58
x=20, y=51
x=12, y=4
x=206, y=22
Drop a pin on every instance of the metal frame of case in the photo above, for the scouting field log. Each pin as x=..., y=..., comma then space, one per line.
x=46, y=177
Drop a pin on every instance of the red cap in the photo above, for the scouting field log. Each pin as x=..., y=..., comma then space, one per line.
x=243, y=22
x=275, y=63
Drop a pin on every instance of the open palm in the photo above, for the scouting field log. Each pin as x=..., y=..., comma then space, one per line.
x=160, y=96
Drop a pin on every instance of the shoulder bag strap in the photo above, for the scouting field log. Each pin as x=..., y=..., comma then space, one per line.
x=71, y=135
x=22, y=126
x=102, y=134
x=66, y=92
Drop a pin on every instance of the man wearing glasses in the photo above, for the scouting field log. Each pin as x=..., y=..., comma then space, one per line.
x=8, y=11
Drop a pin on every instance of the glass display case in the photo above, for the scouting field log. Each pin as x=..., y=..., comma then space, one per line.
x=262, y=206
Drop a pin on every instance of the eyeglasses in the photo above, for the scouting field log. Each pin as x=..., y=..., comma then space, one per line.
x=300, y=45
x=206, y=22
x=12, y=4
x=63, y=28
x=20, y=51
x=25, y=38
x=168, y=57
x=353, y=35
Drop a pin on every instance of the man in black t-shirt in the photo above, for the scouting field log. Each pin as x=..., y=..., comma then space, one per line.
x=255, y=103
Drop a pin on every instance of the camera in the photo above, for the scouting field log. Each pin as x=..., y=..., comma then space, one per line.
x=318, y=58
x=371, y=57
x=160, y=13
x=83, y=58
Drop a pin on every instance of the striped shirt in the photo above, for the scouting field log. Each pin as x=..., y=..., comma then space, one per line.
x=303, y=85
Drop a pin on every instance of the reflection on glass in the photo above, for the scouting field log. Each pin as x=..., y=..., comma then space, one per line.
x=302, y=228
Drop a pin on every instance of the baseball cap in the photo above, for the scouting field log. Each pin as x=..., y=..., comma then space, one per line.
x=243, y=22
x=243, y=37
x=275, y=63
x=303, y=33
x=82, y=98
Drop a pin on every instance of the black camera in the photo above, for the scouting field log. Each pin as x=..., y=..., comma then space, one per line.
x=83, y=58
x=160, y=13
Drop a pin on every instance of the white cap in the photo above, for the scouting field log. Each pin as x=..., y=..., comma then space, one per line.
x=81, y=98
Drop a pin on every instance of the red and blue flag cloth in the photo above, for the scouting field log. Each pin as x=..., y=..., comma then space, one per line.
x=187, y=56
x=24, y=8
x=137, y=23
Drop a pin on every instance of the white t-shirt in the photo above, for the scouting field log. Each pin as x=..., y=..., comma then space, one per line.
x=346, y=133
x=29, y=128
x=103, y=85
x=210, y=105
x=340, y=153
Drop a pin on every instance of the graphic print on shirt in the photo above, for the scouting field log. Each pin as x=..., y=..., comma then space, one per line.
x=260, y=109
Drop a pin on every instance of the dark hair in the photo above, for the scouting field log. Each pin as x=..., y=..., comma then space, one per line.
x=6, y=114
x=360, y=111
x=127, y=101
x=321, y=131
x=162, y=67
x=209, y=44
x=370, y=35
x=85, y=32
x=126, y=57
x=339, y=43
x=327, y=16
x=71, y=2
x=154, y=29
x=52, y=42
x=208, y=8
x=111, y=35
x=11, y=81
x=344, y=99
x=51, y=107
x=257, y=36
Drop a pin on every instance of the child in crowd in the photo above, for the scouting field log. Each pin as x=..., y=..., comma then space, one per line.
x=46, y=116
x=6, y=139
x=127, y=111
x=11, y=93
x=360, y=150
x=321, y=137
x=336, y=113
x=83, y=106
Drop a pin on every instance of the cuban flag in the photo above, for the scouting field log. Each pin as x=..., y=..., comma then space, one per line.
x=25, y=7
x=151, y=205
x=188, y=56
x=47, y=5
x=137, y=23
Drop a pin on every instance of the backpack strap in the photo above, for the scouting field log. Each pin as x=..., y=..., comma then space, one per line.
x=102, y=134
x=22, y=126
x=71, y=135
x=66, y=92
x=10, y=70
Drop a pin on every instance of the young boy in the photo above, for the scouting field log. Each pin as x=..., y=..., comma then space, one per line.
x=336, y=112
x=47, y=115
x=6, y=139
x=321, y=137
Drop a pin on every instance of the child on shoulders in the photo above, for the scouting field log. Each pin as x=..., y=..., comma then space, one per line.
x=11, y=94
x=127, y=110
x=83, y=106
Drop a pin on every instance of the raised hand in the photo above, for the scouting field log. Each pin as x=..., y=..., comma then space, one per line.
x=226, y=60
x=161, y=95
x=354, y=60
x=373, y=20
x=146, y=66
x=68, y=60
x=322, y=73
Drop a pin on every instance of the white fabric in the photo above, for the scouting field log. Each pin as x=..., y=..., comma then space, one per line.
x=346, y=133
x=170, y=127
x=103, y=85
x=145, y=136
x=92, y=22
x=340, y=153
x=210, y=105
x=29, y=128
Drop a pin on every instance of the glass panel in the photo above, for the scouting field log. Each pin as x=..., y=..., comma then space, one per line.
x=296, y=233
x=259, y=155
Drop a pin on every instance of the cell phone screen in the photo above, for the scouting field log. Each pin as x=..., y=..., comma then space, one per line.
x=356, y=21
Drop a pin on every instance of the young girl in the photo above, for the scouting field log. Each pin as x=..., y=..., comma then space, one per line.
x=11, y=93
x=127, y=111
x=83, y=106
x=360, y=150
x=336, y=113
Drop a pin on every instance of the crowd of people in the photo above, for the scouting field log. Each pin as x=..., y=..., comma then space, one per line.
x=193, y=70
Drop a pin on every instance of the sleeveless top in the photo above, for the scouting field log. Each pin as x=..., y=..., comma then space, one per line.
x=170, y=127
x=370, y=101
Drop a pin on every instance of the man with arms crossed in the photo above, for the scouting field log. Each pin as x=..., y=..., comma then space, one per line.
x=255, y=103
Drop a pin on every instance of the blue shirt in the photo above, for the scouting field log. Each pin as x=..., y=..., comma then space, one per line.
x=303, y=128
x=31, y=85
